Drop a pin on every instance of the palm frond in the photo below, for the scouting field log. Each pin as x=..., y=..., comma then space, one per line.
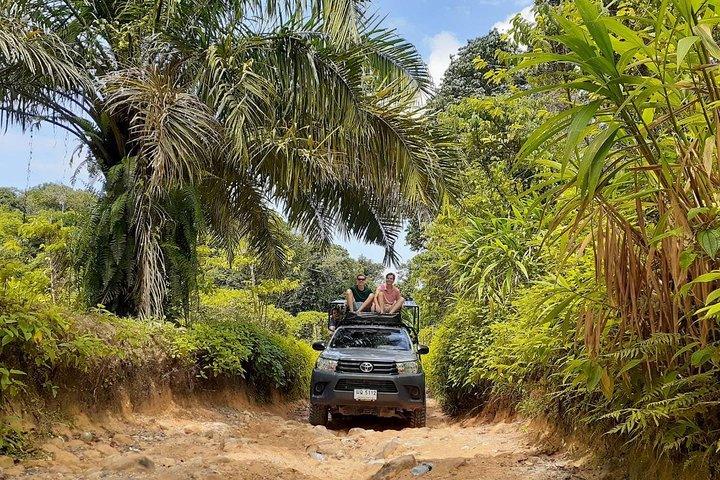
x=38, y=75
x=347, y=132
x=173, y=132
x=241, y=96
x=324, y=209
x=423, y=157
x=340, y=18
x=392, y=57
x=237, y=209
x=25, y=49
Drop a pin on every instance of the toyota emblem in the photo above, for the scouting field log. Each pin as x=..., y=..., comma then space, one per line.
x=366, y=367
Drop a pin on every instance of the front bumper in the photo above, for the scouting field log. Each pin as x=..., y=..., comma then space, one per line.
x=403, y=392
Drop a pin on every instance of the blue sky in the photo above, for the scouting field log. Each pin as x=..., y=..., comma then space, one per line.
x=437, y=28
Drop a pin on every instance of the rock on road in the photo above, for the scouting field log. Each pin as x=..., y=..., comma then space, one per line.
x=248, y=443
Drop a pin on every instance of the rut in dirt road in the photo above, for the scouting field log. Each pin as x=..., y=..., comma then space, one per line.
x=246, y=443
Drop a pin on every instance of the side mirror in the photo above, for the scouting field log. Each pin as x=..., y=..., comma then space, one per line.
x=318, y=346
x=423, y=349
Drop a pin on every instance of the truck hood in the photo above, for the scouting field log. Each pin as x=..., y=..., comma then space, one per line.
x=370, y=354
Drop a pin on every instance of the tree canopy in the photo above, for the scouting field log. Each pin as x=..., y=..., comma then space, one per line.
x=467, y=74
x=200, y=118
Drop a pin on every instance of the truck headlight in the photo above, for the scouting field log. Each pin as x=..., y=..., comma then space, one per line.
x=407, y=367
x=326, y=364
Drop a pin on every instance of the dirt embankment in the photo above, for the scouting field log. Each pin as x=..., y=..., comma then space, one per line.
x=192, y=440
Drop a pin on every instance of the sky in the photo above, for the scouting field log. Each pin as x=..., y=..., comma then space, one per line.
x=437, y=28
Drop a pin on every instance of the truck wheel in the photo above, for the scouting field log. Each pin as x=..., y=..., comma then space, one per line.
x=417, y=418
x=318, y=414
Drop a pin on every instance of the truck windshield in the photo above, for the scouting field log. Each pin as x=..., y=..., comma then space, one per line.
x=385, y=338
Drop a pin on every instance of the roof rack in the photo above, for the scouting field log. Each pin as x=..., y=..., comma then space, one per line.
x=338, y=315
x=371, y=318
x=410, y=303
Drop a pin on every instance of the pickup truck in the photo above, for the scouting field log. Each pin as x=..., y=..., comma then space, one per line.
x=370, y=366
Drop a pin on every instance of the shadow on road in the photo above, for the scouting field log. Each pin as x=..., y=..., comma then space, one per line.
x=368, y=422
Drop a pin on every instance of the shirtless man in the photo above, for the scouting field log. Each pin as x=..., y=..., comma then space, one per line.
x=359, y=295
x=387, y=296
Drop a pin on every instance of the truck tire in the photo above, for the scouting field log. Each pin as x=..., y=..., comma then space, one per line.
x=318, y=414
x=418, y=418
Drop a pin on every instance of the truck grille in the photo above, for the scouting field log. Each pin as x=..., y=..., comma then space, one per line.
x=350, y=384
x=379, y=368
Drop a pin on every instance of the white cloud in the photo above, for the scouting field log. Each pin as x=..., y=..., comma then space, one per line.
x=504, y=25
x=442, y=46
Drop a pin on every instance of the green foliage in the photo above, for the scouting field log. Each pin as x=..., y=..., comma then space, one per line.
x=310, y=326
x=497, y=255
x=48, y=196
x=490, y=219
x=537, y=334
x=10, y=198
x=35, y=274
x=244, y=306
x=267, y=362
x=47, y=349
x=585, y=243
x=37, y=254
x=492, y=130
x=454, y=355
x=233, y=333
x=311, y=279
x=56, y=197
x=28, y=334
x=46, y=346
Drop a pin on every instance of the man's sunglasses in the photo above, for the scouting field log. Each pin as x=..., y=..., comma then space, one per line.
x=361, y=279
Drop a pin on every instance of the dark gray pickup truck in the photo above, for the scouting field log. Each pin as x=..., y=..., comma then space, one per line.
x=371, y=366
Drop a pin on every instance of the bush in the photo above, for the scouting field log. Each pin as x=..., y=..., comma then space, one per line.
x=453, y=370
x=28, y=336
x=244, y=306
x=310, y=326
x=266, y=361
x=526, y=346
x=660, y=395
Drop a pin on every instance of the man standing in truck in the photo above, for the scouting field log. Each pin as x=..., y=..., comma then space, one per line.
x=359, y=297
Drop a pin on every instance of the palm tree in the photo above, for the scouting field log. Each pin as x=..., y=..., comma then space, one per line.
x=218, y=114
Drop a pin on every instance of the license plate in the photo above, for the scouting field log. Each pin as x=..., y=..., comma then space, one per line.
x=366, y=395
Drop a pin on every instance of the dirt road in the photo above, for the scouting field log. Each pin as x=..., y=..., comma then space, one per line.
x=193, y=442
